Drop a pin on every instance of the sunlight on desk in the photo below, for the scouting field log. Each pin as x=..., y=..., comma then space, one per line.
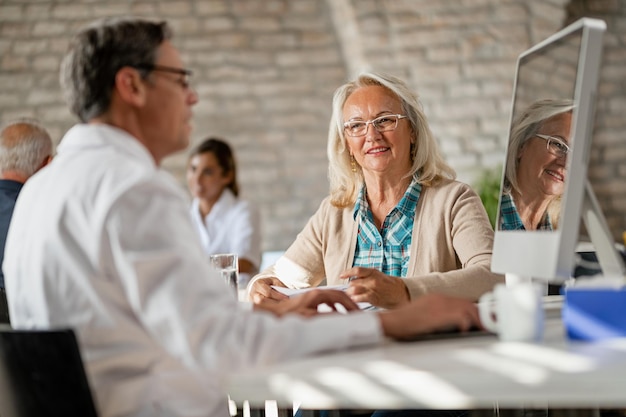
x=340, y=382
x=300, y=389
x=513, y=369
x=526, y=363
x=343, y=380
x=386, y=383
x=550, y=358
x=465, y=373
x=404, y=379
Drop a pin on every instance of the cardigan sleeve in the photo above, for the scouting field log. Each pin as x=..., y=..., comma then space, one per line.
x=452, y=244
x=302, y=264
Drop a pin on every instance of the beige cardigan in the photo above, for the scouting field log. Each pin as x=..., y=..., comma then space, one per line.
x=450, y=251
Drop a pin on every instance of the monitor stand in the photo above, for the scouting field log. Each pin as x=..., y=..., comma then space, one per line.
x=514, y=279
x=511, y=279
x=610, y=260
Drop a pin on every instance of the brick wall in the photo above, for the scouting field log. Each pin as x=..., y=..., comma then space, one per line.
x=265, y=71
x=607, y=162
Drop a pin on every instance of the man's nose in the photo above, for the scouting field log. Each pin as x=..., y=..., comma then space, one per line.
x=192, y=98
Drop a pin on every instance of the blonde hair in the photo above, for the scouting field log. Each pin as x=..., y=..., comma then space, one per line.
x=526, y=126
x=426, y=158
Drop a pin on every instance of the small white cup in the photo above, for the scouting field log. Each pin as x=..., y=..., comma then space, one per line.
x=514, y=312
x=227, y=266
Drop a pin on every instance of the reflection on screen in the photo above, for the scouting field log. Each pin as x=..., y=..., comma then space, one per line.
x=535, y=172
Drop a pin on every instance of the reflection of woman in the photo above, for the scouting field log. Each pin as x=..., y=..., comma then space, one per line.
x=536, y=166
x=395, y=220
x=226, y=223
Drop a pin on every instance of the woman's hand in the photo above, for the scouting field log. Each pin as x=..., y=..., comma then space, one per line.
x=372, y=286
x=306, y=303
x=261, y=291
x=429, y=313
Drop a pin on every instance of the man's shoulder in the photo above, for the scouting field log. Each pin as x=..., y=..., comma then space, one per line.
x=10, y=188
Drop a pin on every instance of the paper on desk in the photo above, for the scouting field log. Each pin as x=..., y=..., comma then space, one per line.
x=290, y=292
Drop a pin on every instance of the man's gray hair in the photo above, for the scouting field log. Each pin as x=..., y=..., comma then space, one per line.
x=98, y=52
x=24, y=146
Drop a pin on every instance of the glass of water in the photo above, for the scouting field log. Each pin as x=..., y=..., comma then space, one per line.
x=227, y=267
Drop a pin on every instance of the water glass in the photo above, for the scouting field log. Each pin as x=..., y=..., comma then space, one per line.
x=227, y=267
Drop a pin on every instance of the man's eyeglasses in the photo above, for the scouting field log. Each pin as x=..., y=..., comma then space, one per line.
x=555, y=145
x=381, y=124
x=186, y=74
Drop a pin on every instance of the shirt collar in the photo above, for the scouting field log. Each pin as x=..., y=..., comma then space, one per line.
x=406, y=206
x=223, y=204
x=83, y=136
x=510, y=219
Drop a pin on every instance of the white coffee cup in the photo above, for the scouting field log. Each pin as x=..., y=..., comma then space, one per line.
x=514, y=312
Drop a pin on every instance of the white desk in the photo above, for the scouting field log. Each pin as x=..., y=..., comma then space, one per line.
x=467, y=373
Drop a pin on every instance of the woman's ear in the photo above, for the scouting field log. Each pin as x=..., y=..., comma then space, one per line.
x=229, y=177
x=130, y=87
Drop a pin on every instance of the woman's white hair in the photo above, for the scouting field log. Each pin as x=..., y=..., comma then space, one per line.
x=425, y=154
x=525, y=127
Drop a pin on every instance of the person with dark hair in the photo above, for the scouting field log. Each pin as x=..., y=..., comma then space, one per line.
x=25, y=148
x=225, y=222
x=101, y=241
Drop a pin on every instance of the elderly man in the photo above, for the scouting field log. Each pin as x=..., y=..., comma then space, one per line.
x=25, y=148
x=102, y=242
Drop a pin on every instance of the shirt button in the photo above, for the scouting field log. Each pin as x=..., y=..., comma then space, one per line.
x=379, y=244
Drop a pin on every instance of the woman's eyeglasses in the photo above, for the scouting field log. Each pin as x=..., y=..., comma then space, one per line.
x=381, y=124
x=556, y=146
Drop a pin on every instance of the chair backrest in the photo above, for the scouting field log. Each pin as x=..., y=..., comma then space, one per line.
x=4, y=307
x=42, y=375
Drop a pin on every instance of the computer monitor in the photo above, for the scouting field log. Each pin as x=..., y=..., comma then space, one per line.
x=545, y=172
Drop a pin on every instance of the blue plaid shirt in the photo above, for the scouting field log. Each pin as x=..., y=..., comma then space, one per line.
x=387, y=250
x=510, y=219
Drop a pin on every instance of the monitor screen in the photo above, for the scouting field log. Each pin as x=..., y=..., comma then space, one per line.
x=545, y=169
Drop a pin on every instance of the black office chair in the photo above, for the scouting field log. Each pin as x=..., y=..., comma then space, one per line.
x=4, y=307
x=42, y=375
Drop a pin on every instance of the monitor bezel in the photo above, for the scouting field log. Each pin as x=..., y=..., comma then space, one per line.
x=549, y=255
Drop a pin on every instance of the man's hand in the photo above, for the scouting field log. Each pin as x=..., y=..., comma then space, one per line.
x=306, y=304
x=261, y=291
x=372, y=286
x=429, y=313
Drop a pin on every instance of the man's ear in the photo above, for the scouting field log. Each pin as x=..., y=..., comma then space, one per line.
x=130, y=87
x=45, y=162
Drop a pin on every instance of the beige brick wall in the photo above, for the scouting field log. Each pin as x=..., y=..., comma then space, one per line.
x=607, y=165
x=265, y=71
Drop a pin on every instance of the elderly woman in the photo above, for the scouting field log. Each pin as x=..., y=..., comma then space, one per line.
x=536, y=166
x=396, y=225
